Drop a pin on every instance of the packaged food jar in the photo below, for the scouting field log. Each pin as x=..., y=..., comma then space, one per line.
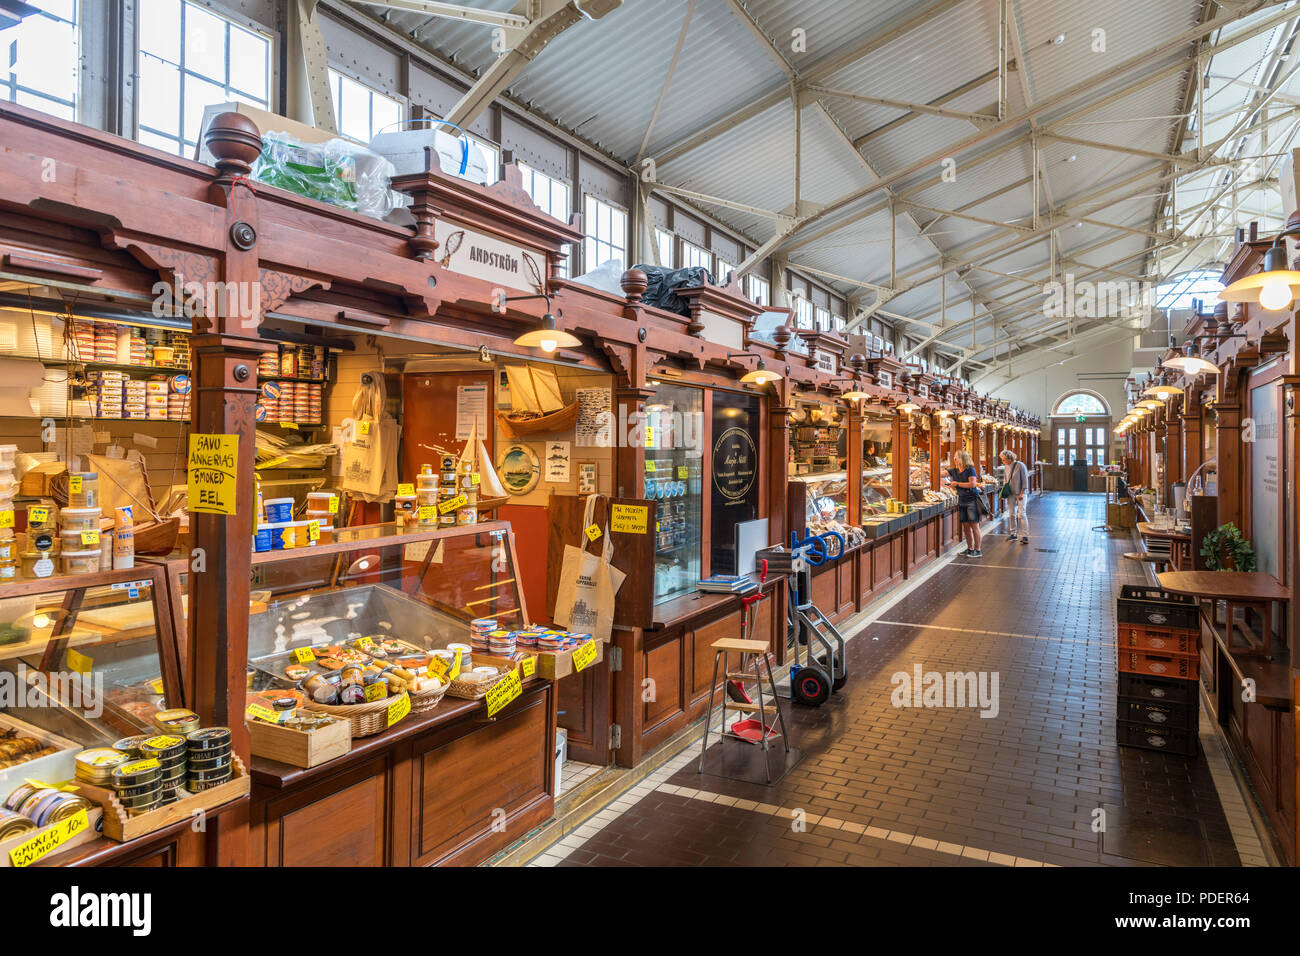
x=352, y=689
x=323, y=501
x=80, y=519
x=8, y=547
x=7, y=455
x=163, y=355
x=82, y=562
x=9, y=567
x=296, y=534
x=35, y=564
x=83, y=490
x=78, y=541
x=404, y=508
x=40, y=518
x=279, y=510
x=275, y=533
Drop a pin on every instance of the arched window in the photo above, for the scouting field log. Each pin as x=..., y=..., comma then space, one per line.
x=1179, y=291
x=1081, y=403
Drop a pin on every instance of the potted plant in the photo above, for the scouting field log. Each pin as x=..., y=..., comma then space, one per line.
x=1226, y=549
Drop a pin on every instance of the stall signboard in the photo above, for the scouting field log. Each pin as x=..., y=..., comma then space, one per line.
x=825, y=361
x=1265, y=406
x=735, y=468
x=488, y=258
x=210, y=473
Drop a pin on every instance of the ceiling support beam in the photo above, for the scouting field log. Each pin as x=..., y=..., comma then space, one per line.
x=454, y=11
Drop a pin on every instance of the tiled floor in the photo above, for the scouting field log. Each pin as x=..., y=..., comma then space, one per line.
x=1039, y=782
x=575, y=772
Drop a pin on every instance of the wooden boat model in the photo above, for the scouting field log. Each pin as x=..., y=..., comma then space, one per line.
x=536, y=407
x=492, y=494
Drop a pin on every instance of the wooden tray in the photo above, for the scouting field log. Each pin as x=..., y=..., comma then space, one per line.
x=120, y=827
x=300, y=748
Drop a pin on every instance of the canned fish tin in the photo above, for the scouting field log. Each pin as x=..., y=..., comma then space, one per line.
x=143, y=802
x=217, y=774
x=176, y=721
x=165, y=747
x=135, y=792
x=96, y=765
x=210, y=764
x=14, y=824
x=198, y=786
x=213, y=739
x=131, y=745
x=136, y=773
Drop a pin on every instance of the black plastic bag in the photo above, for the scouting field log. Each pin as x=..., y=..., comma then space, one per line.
x=661, y=289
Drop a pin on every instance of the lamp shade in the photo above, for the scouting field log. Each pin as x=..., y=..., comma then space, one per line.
x=547, y=337
x=1274, y=288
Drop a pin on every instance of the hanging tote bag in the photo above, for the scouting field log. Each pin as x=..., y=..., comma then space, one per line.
x=584, y=601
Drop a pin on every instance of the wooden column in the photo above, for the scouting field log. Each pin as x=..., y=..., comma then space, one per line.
x=936, y=452
x=1173, y=448
x=901, y=436
x=853, y=461
x=1190, y=432
x=1228, y=411
x=778, y=467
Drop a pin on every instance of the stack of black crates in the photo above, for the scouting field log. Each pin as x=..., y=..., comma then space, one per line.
x=1158, y=655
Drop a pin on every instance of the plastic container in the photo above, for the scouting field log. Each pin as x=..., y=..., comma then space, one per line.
x=262, y=538
x=7, y=455
x=81, y=562
x=274, y=529
x=29, y=564
x=404, y=508
x=295, y=534
x=83, y=490
x=72, y=542
x=320, y=501
x=80, y=519
x=279, y=510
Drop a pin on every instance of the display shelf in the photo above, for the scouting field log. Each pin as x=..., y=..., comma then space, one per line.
x=109, y=366
x=292, y=378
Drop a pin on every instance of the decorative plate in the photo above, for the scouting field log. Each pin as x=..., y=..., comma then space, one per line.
x=519, y=469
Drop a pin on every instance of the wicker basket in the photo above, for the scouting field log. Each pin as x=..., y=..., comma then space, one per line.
x=426, y=700
x=473, y=690
x=367, y=719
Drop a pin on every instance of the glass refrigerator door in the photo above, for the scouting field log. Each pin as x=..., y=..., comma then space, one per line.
x=673, y=478
x=877, y=465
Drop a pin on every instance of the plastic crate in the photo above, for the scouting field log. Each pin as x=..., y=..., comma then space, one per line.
x=1174, y=740
x=1143, y=605
x=1182, y=666
x=1166, y=689
x=1150, y=713
x=1164, y=640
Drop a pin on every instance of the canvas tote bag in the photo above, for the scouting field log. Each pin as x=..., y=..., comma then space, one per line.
x=584, y=602
x=370, y=459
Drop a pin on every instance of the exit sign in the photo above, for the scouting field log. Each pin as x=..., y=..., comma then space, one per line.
x=1081, y=417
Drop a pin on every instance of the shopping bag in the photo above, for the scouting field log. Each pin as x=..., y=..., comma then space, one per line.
x=584, y=601
x=364, y=464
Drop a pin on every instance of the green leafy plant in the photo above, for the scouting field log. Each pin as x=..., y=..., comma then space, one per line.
x=1226, y=549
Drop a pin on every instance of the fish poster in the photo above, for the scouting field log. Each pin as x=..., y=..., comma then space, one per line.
x=556, y=464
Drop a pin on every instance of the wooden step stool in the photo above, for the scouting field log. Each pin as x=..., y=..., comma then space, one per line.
x=757, y=651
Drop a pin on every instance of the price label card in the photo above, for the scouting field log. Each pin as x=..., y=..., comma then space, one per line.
x=452, y=504
x=304, y=655
x=365, y=644
x=426, y=513
x=38, y=515
x=503, y=692
x=377, y=691
x=399, y=708
x=334, y=504
x=6, y=519
x=210, y=473
x=156, y=685
x=292, y=425
x=313, y=530
x=593, y=533
x=90, y=537
x=630, y=519
x=363, y=427
x=28, y=852
x=650, y=467
x=475, y=479
x=405, y=491
x=528, y=666
x=439, y=668
x=257, y=711
x=74, y=484
x=683, y=472
x=79, y=662
x=584, y=656
x=455, y=666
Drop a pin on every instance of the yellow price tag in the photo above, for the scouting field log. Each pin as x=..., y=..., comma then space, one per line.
x=364, y=428
x=439, y=668
x=593, y=533
x=74, y=484
x=38, y=515
x=426, y=513
x=399, y=708
x=210, y=473
x=584, y=656
x=650, y=467
x=405, y=491
x=304, y=655
x=455, y=666
x=90, y=537
x=528, y=666
x=6, y=519
x=156, y=685
x=503, y=692
x=313, y=530
x=376, y=691
x=452, y=504
x=79, y=662
x=292, y=425
x=29, y=851
x=273, y=463
x=475, y=479
x=365, y=644
x=683, y=472
x=630, y=519
x=334, y=504
x=261, y=712
x=649, y=436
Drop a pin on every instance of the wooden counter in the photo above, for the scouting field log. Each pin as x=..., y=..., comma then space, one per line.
x=449, y=787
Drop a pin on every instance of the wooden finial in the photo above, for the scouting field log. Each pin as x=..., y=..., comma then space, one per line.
x=234, y=142
x=634, y=283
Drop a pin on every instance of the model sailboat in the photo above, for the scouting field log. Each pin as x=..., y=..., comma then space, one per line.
x=536, y=406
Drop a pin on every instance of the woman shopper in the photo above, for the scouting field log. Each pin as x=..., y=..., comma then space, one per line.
x=965, y=479
x=1017, y=484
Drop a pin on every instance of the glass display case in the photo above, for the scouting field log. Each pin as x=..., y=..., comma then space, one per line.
x=826, y=496
x=877, y=464
x=918, y=470
x=817, y=439
x=674, y=446
x=85, y=660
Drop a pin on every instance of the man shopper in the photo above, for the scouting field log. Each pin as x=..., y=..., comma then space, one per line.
x=1017, y=483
